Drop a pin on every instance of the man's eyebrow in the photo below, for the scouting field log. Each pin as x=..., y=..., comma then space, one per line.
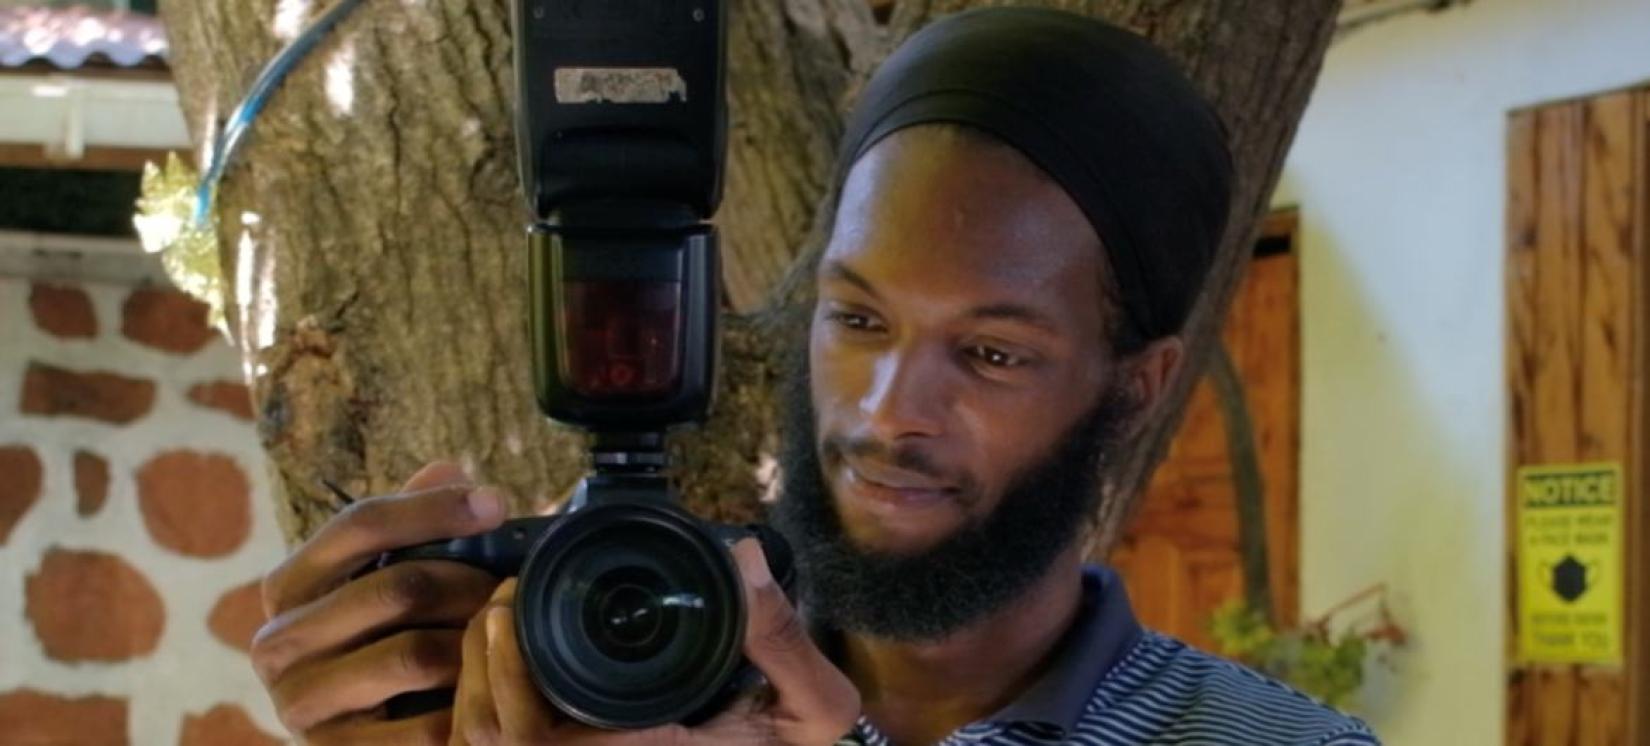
x=1015, y=312
x=1005, y=311
x=835, y=270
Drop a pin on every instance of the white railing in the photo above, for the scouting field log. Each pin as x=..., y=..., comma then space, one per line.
x=67, y=114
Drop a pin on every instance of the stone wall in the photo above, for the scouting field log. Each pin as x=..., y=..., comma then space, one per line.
x=134, y=522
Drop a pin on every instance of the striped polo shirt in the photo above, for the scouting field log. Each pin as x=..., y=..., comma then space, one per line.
x=1112, y=682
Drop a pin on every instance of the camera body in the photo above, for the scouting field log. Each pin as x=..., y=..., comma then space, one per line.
x=630, y=611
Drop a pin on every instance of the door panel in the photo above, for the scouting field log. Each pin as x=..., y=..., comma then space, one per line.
x=1577, y=273
x=1180, y=555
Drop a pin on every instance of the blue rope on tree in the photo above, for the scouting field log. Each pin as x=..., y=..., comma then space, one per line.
x=235, y=131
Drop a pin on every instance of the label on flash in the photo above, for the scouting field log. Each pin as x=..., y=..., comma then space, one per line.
x=619, y=85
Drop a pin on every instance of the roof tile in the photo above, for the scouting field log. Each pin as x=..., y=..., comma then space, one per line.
x=75, y=37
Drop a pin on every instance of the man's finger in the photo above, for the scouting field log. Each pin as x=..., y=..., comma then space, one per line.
x=747, y=721
x=523, y=713
x=435, y=474
x=399, y=596
x=375, y=525
x=810, y=687
x=429, y=729
x=475, y=723
x=362, y=679
x=285, y=587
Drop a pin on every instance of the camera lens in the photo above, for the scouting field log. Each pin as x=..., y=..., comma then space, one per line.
x=628, y=614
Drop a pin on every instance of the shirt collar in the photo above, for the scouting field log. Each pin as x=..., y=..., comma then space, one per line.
x=1104, y=630
x=1102, y=633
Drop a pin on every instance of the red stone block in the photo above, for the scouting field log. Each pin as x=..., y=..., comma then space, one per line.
x=230, y=397
x=35, y=718
x=91, y=606
x=53, y=392
x=221, y=726
x=91, y=483
x=237, y=616
x=62, y=311
x=166, y=320
x=20, y=473
x=198, y=504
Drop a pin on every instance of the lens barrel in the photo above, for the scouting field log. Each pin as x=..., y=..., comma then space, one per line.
x=630, y=615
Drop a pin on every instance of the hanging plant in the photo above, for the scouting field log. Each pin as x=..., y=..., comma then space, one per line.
x=1323, y=657
x=1312, y=657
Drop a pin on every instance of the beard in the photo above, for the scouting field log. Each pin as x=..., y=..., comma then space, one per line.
x=977, y=570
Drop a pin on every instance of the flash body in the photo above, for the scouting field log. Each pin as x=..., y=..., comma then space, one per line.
x=621, y=127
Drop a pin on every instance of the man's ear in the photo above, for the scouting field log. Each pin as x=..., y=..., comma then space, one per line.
x=1150, y=371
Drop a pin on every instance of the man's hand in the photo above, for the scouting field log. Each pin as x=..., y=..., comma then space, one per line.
x=809, y=702
x=335, y=649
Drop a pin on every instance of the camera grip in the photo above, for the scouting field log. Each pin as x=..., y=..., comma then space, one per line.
x=500, y=552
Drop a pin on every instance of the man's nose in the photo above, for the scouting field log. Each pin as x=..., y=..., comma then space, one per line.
x=907, y=395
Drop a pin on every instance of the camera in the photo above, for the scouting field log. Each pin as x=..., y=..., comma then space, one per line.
x=629, y=610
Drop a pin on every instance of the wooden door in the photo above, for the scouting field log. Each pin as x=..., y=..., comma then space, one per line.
x=1577, y=276
x=1180, y=556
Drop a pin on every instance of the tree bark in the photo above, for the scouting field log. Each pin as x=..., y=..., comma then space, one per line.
x=371, y=232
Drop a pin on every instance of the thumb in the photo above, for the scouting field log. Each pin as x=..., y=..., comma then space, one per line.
x=808, y=687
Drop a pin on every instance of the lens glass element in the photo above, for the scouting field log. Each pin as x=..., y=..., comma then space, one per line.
x=629, y=614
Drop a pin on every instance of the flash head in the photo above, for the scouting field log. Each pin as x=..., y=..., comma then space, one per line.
x=620, y=109
x=623, y=325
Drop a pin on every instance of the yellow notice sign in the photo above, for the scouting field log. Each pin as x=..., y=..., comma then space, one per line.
x=1570, y=580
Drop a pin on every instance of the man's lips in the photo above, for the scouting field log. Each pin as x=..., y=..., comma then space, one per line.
x=893, y=488
x=894, y=478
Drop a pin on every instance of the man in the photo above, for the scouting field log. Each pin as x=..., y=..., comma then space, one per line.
x=1028, y=204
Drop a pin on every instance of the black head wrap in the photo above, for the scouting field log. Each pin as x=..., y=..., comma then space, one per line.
x=1102, y=111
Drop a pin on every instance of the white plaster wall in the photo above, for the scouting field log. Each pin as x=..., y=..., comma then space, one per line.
x=1399, y=173
x=51, y=108
x=191, y=670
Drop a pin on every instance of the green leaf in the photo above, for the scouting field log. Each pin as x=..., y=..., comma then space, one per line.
x=165, y=225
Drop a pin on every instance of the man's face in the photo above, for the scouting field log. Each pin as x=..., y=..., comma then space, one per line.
x=958, y=335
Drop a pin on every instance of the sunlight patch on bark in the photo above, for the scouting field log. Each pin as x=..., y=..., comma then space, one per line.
x=289, y=19
x=255, y=292
x=341, y=80
x=767, y=477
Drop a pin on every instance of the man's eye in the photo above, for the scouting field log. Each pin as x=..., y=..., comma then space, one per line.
x=855, y=321
x=995, y=358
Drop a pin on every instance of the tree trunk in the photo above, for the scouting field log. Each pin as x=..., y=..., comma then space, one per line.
x=371, y=232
